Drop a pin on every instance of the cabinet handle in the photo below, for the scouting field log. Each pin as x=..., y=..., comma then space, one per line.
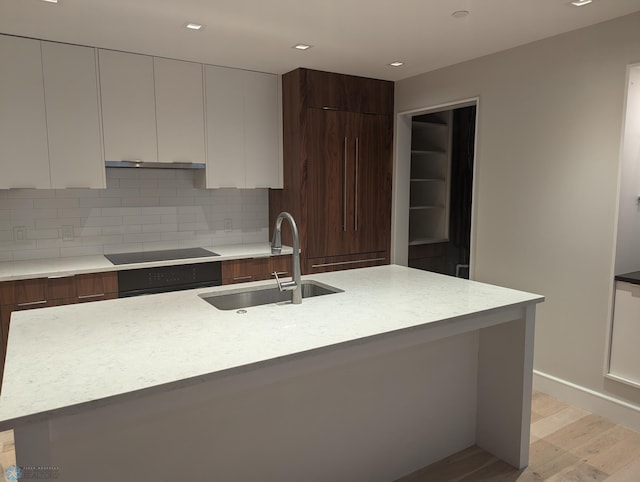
x=240, y=278
x=84, y=297
x=33, y=303
x=355, y=195
x=344, y=187
x=281, y=273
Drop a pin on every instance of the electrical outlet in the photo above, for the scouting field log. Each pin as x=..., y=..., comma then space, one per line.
x=228, y=224
x=19, y=233
x=67, y=232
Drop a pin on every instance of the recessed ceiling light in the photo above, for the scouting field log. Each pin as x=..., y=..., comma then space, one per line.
x=51, y=1
x=580, y=3
x=460, y=13
x=194, y=26
x=302, y=46
x=396, y=64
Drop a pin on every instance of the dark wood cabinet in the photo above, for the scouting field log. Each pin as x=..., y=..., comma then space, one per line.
x=254, y=269
x=348, y=93
x=96, y=286
x=337, y=168
x=349, y=183
x=244, y=270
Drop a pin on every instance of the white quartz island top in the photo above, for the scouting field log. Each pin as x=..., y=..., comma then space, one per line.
x=66, y=359
x=42, y=268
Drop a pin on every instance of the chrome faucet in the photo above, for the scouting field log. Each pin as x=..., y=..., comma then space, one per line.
x=295, y=285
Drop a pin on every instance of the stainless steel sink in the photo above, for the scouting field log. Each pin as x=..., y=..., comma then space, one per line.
x=243, y=298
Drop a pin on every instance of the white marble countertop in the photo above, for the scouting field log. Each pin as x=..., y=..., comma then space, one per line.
x=62, y=359
x=42, y=268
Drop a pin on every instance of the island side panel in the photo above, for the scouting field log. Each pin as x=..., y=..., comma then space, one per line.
x=505, y=375
x=374, y=419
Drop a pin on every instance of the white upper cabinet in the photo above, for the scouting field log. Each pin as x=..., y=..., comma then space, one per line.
x=225, y=127
x=243, y=128
x=73, y=116
x=65, y=109
x=263, y=132
x=128, y=106
x=179, y=110
x=24, y=158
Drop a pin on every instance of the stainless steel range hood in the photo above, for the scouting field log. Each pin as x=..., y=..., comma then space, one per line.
x=155, y=165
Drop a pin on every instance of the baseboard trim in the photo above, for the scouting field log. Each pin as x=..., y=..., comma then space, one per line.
x=617, y=410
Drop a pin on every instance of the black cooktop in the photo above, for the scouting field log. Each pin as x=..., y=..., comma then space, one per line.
x=163, y=255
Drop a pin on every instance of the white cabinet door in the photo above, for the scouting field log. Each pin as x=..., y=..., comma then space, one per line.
x=225, y=126
x=262, y=120
x=128, y=106
x=179, y=110
x=24, y=158
x=243, y=128
x=73, y=118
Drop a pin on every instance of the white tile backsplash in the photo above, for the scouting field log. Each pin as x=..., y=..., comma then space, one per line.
x=141, y=209
x=142, y=219
x=99, y=202
x=61, y=202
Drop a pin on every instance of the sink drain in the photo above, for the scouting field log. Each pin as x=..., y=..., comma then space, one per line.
x=241, y=312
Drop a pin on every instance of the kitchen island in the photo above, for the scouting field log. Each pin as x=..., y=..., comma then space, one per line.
x=401, y=369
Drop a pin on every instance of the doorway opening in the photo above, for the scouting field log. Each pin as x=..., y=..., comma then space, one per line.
x=441, y=169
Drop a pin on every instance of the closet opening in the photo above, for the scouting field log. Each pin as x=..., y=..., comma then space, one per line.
x=441, y=169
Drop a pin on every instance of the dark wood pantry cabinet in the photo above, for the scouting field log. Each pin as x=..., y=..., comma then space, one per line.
x=338, y=133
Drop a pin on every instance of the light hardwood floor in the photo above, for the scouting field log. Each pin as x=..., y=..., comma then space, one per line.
x=7, y=452
x=567, y=444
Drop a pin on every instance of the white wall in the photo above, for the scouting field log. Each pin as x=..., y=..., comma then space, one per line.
x=547, y=161
x=628, y=244
x=140, y=210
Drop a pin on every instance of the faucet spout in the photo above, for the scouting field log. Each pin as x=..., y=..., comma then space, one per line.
x=295, y=286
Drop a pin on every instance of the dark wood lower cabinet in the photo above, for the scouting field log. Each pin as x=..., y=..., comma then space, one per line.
x=63, y=288
x=352, y=261
x=254, y=269
x=96, y=286
x=4, y=331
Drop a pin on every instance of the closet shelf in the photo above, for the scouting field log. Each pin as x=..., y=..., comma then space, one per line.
x=418, y=241
x=429, y=123
x=430, y=206
x=428, y=151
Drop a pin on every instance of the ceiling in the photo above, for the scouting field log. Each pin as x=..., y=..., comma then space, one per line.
x=359, y=37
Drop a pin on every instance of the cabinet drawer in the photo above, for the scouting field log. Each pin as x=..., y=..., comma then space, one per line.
x=281, y=264
x=63, y=288
x=29, y=292
x=347, y=92
x=244, y=270
x=337, y=263
x=96, y=286
x=38, y=292
x=255, y=269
